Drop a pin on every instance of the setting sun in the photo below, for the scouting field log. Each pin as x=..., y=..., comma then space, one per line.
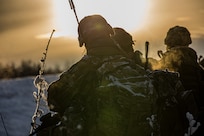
x=26, y=29
x=129, y=14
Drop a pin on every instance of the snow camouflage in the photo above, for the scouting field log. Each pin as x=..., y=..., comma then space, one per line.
x=112, y=96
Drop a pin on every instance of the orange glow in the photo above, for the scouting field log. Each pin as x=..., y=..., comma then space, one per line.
x=27, y=33
x=129, y=14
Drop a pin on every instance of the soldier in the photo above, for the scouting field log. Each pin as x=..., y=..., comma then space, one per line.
x=180, y=58
x=126, y=42
x=92, y=97
x=103, y=94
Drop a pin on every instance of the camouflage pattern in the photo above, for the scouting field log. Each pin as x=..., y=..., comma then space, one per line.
x=170, y=107
x=184, y=61
x=101, y=98
x=113, y=96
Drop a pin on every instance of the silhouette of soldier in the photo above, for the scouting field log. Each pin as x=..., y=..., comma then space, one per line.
x=98, y=95
x=180, y=58
x=126, y=42
x=105, y=93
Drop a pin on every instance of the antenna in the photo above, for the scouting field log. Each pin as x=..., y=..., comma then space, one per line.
x=71, y=3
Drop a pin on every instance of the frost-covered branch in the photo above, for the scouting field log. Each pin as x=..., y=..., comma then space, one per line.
x=40, y=95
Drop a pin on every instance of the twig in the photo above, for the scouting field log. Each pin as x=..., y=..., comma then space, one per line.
x=41, y=85
x=45, y=54
x=4, y=125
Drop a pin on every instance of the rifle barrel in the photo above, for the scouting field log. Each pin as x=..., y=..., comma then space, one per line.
x=146, y=54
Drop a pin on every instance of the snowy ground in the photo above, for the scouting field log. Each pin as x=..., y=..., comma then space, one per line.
x=17, y=105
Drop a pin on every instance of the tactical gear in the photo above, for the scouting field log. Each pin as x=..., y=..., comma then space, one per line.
x=103, y=97
x=113, y=96
x=183, y=60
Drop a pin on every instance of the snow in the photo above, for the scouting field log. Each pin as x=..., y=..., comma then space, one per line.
x=192, y=127
x=17, y=105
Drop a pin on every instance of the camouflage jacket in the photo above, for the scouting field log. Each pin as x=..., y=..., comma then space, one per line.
x=184, y=61
x=110, y=96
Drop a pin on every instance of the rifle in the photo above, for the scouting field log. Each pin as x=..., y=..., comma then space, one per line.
x=146, y=54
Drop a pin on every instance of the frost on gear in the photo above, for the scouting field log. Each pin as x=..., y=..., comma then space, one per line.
x=108, y=97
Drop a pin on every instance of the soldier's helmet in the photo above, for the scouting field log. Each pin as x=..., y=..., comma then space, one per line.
x=124, y=39
x=93, y=27
x=177, y=36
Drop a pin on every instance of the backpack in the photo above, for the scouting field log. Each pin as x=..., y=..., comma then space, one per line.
x=103, y=96
x=119, y=105
x=126, y=99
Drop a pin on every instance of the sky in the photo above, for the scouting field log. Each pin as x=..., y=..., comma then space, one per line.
x=26, y=26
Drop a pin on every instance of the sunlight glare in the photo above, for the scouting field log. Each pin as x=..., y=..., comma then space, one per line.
x=128, y=14
x=64, y=22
